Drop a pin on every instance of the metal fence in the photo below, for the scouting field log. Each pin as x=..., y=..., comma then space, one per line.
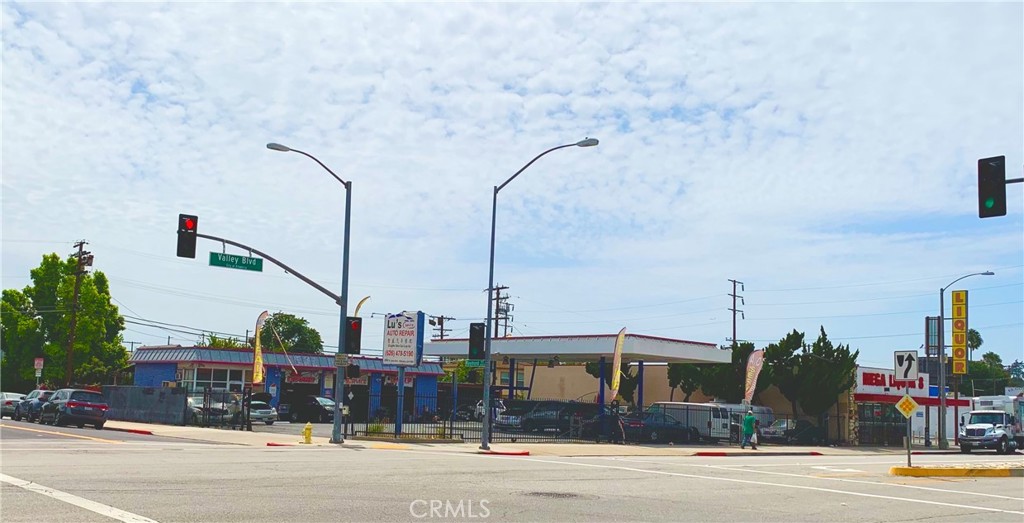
x=220, y=408
x=146, y=404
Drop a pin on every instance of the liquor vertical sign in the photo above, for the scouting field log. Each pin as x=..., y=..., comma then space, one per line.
x=959, y=332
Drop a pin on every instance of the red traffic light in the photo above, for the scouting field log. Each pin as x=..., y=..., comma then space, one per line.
x=189, y=224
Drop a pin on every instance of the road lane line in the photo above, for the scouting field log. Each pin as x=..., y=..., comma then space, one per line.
x=830, y=478
x=92, y=506
x=61, y=434
x=763, y=484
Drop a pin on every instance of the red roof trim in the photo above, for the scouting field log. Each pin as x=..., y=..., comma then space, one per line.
x=594, y=336
x=931, y=402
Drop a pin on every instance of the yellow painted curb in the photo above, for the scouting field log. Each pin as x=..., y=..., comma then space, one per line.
x=927, y=472
x=388, y=446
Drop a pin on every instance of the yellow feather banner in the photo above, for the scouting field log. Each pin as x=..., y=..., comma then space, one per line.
x=620, y=340
x=257, y=359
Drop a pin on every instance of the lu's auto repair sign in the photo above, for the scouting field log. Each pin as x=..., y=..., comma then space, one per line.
x=403, y=339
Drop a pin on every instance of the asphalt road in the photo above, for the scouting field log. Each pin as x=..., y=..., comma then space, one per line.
x=100, y=474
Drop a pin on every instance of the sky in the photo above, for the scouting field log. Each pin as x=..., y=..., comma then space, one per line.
x=824, y=155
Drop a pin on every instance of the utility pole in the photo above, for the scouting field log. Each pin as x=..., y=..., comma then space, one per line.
x=438, y=323
x=502, y=310
x=735, y=310
x=133, y=344
x=82, y=259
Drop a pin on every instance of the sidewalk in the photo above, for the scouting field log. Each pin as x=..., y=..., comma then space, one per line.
x=267, y=439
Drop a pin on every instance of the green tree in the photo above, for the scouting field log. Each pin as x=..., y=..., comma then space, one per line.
x=687, y=377
x=219, y=342
x=825, y=371
x=727, y=381
x=783, y=358
x=1016, y=370
x=44, y=322
x=627, y=380
x=465, y=374
x=22, y=338
x=294, y=332
x=986, y=377
x=974, y=341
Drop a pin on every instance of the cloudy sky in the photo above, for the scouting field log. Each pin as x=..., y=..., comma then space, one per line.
x=823, y=154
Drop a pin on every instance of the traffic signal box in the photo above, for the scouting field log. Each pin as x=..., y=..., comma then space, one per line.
x=476, y=341
x=187, y=225
x=992, y=187
x=354, y=335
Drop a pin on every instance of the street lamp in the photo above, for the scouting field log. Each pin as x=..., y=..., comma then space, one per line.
x=485, y=433
x=943, y=444
x=339, y=374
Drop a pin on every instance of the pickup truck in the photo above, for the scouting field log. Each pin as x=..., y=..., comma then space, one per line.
x=994, y=424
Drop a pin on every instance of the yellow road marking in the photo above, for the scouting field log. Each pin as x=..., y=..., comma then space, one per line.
x=101, y=440
x=388, y=446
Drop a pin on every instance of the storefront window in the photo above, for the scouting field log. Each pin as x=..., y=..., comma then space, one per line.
x=225, y=379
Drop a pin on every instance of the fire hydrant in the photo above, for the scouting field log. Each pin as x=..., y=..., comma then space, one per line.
x=307, y=434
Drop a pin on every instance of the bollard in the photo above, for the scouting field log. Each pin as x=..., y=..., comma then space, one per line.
x=307, y=433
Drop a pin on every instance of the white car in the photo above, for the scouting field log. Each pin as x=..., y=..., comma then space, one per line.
x=260, y=411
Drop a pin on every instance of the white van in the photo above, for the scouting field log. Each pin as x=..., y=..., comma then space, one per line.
x=738, y=411
x=711, y=421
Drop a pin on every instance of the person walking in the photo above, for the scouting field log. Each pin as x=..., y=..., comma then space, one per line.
x=748, y=430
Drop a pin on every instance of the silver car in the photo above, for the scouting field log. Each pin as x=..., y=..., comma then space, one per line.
x=9, y=400
x=260, y=411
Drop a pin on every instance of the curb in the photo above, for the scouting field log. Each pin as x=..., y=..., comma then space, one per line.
x=734, y=454
x=406, y=440
x=133, y=431
x=925, y=472
x=934, y=452
x=272, y=444
x=504, y=452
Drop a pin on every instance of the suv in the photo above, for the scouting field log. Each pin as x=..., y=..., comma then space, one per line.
x=29, y=407
x=75, y=407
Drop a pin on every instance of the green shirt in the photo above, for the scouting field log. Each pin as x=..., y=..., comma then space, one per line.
x=748, y=424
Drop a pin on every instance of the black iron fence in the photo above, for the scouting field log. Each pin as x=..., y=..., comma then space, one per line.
x=220, y=408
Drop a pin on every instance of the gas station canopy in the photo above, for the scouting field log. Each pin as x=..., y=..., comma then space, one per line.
x=588, y=347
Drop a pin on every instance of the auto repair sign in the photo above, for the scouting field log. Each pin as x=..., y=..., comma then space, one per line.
x=403, y=339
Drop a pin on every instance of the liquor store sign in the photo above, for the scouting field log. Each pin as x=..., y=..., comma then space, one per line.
x=885, y=381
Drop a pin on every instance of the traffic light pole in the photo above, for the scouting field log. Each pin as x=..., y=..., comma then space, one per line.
x=339, y=371
x=289, y=270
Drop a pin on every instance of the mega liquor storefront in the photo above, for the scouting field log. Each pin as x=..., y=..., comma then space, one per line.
x=873, y=414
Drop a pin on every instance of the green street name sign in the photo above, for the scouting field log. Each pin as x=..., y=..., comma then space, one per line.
x=474, y=363
x=232, y=261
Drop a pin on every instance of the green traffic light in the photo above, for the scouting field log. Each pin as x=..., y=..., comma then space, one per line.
x=990, y=202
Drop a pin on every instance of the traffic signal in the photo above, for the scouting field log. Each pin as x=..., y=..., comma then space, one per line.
x=352, y=371
x=476, y=341
x=353, y=335
x=992, y=187
x=187, y=225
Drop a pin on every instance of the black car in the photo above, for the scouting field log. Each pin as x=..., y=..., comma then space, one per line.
x=75, y=407
x=658, y=427
x=29, y=407
x=805, y=433
x=312, y=408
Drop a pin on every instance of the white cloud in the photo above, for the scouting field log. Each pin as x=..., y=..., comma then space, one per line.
x=793, y=146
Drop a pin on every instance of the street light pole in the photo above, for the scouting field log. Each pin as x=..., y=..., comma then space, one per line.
x=339, y=371
x=485, y=433
x=943, y=444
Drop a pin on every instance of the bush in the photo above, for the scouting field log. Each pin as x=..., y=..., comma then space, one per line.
x=376, y=428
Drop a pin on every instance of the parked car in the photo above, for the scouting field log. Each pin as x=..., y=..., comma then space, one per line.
x=511, y=418
x=465, y=413
x=314, y=409
x=30, y=406
x=75, y=407
x=805, y=433
x=8, y=401
x=658, y=427
x=776, y=432
x=260, y=411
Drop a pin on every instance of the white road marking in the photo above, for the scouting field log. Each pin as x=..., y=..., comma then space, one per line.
x=835, y=469
x=894, y=462
x=757, y=483
x=99, y=508
x=827, y=478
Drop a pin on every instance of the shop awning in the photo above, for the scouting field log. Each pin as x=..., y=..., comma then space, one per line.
x=210, y=356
